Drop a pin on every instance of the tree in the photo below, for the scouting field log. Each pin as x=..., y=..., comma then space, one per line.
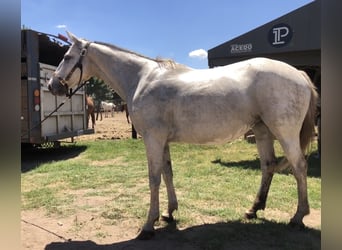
x=98, y=90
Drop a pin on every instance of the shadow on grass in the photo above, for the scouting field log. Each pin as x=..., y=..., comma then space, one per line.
x=314, y=164
x=231, y=235
x=32, y=158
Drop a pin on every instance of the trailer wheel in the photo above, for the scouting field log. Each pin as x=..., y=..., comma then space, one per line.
x=51, y=144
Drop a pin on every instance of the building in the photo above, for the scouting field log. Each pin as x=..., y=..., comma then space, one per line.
x=293, y=38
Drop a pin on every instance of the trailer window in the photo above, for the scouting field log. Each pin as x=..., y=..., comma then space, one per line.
x=51, y=51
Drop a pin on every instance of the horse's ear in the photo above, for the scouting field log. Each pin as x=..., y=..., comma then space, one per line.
x=72, y=36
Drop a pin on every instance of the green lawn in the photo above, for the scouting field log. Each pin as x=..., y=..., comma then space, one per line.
x=213, y=183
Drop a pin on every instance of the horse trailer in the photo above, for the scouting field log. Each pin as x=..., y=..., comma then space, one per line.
x=45, y=118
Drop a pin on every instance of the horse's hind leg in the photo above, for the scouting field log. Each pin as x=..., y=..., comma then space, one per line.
x=294, y=154
x=87, y=122
x=168, y=179
x=93, y=119
x=264, y=140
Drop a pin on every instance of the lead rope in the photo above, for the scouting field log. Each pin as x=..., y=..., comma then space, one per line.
x=57, y=108
x=62, y=103
x=42, y=228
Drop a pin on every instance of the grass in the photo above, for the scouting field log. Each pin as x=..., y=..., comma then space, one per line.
x=214, y=184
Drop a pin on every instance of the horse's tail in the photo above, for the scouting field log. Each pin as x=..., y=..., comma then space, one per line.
x=308, y=127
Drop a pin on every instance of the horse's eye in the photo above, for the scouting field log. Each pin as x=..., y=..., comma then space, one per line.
x=66, y=58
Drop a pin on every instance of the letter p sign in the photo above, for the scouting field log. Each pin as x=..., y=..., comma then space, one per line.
x=280, y=35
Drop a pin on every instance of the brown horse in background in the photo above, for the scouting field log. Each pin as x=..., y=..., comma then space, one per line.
x=90, y=107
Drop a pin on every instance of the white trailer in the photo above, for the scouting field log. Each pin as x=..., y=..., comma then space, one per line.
x=40, y=55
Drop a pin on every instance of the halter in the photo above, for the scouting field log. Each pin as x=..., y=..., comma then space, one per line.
x=77, y=65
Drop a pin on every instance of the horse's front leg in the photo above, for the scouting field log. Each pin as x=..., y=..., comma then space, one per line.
x=154, y=152
x=168, y=179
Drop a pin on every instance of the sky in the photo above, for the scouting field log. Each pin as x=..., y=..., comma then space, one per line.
x=182, y=30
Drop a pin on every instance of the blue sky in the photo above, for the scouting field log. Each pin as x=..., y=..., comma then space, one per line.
x=182, y=30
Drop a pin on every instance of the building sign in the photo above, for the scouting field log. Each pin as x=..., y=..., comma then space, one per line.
x=240, y=48
x=280, y=35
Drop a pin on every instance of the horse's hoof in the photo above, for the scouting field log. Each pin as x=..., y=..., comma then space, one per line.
x=167, y=218
x=145, y=235
x=250, y=215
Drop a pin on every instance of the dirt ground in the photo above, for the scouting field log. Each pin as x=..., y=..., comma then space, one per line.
x=109, y=128
x=80, y=231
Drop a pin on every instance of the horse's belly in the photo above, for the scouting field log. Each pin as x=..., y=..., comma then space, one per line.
x=213, y=132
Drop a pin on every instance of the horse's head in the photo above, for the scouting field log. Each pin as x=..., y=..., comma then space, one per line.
x=70, y=71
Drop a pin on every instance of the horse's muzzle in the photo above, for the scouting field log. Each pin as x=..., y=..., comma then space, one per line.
x=56, y=88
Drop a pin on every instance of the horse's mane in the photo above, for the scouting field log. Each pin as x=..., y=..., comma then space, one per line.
x=164, y=63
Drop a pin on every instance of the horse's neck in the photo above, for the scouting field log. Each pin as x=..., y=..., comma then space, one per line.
x=119, y=69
